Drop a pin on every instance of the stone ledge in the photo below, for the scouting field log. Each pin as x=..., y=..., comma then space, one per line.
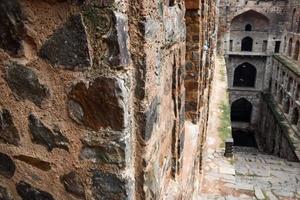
x=289, y=132
x=289, y=63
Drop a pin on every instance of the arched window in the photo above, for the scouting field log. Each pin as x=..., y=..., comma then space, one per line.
x=296, y=53
x=280, y=96
x=290, y=84
x=241, y=110
x=247, y=44
x=290, y=47
x=244, y=75
x=295, y=116
x=298, y=92
x=248, y=27
x=286, y=106
x=292, y=22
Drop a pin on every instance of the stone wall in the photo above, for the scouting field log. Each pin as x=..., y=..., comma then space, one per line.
x=275, y=56
x=201, y=22
x=93, y=98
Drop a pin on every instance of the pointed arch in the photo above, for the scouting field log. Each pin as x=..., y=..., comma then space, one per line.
x=247, y=44
x=241, y=110
x=258, y=21
x=244, y=75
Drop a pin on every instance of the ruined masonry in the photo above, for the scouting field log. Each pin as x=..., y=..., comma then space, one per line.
x=94, y=95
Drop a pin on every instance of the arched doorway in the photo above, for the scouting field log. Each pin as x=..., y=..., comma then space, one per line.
x=296, y=53
x=244, y=75
x=295, y=116
x=241, y=110
x=243, y=138
x=247, y=44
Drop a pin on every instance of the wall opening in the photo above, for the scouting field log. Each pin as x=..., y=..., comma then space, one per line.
x=290, y=84
x=297, y=48
x=293, y=18
x=247, y=44
x=248, y=27
x=280, y=96
x=290, y=47
x=243, y=138
x=230, y=45
x=244, y=75
x=295, y=116
x=286, y=106
x=277, y=46
x=265, y=45
x=298, y=28
x=241, y=110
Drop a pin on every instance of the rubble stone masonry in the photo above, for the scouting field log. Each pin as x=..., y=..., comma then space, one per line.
x=94, y=95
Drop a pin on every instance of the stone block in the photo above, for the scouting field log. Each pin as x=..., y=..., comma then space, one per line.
x=8, y=132
x=43, y=135
x=108, y=186
x=104, y=147
x=11, y=26
x=27, y=192
x=111, y=28
x=68, y=46
x=25, y=84
x=110, y=153
x=101, y=104
x=35, y=162
x=7, y=166
x=73, y=184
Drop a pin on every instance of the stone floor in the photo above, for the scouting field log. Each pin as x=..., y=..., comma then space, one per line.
x=249, y=175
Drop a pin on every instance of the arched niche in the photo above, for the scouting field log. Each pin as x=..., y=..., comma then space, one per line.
x=258, y=21
x=241, y=110
x=244, y=75
x=247, y=44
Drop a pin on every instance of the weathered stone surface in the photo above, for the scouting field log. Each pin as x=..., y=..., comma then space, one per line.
x=105, y=147
x=8, y=132
x=68, y=46
x=75, y=111
x=112, y=27
x=4, y=194
x=174, y=25
x=25, y=84
x=36, y=162
x=102, y=103
x=150, y=117
x=108, y=186
x=7, y=166
x=27, y=192
x=45, y=136
x=11, y=26
x=73, y=184
x=107, y=153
